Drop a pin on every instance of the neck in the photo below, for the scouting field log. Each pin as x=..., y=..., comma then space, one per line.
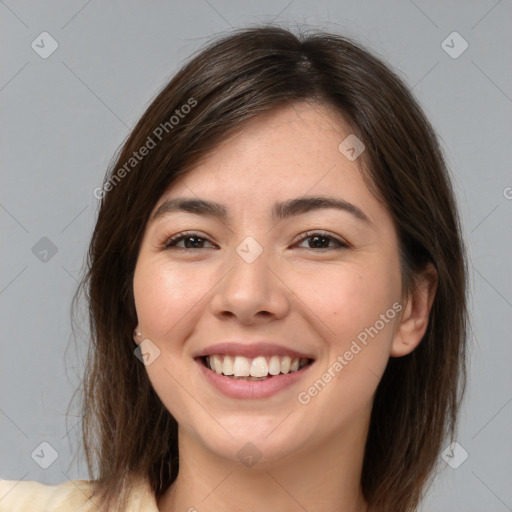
x=322, y=477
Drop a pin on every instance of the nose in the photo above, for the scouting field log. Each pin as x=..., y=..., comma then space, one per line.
x=251, y=291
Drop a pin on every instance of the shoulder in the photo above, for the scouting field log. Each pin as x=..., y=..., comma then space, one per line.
x=69, y=496
x=20, y=496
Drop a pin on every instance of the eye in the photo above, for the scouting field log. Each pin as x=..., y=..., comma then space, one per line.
x=191, y=239
x=320, y=240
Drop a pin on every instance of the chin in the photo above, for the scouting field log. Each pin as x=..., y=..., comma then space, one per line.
x=253, y=442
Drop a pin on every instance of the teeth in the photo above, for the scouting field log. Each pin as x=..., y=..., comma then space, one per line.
x=286, y=362
x=274, y=366
x=217, y=363
x=227, y=368
x=241, y=367
x=259, y=367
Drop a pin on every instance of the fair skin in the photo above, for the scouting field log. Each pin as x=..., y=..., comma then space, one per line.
x=296, y=293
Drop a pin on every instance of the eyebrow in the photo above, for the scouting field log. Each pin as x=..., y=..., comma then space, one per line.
x=281, y=210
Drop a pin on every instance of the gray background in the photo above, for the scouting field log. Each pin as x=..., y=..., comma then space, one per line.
x=63, y=117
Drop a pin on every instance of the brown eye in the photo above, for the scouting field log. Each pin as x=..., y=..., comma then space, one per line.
x=320, y=240
x=191, y=241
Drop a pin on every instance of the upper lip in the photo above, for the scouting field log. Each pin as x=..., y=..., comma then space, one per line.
x=251, y=350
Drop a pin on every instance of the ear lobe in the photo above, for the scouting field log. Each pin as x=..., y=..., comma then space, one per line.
x=137, y=335
x=414, y=320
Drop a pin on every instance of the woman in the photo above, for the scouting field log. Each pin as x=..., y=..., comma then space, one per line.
x=277, y=292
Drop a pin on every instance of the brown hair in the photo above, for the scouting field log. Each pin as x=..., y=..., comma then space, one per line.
x=127, y=431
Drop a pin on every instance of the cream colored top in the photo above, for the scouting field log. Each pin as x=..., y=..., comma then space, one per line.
x=69, y=496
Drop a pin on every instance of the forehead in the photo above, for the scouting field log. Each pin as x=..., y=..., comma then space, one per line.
x=291, y=150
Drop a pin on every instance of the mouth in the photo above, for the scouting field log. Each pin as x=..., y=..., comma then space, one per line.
x=252, y=370
x=257, y=377
x=260, y=368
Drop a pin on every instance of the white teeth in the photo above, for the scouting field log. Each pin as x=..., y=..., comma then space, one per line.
x=258, y=367
x=285, y=364
x=227, y=368
x=274, y=366
x=217, y=363
x=241, y=367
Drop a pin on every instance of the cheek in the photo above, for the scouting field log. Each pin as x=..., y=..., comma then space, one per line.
x=165, y=300
x=165, y=295
x=357, y=306
x=353, y=298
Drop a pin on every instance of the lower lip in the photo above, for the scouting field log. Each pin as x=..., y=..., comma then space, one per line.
x=252, y=388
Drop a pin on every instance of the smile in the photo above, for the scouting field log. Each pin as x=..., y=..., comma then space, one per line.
x=258, y=377
x=257, y=368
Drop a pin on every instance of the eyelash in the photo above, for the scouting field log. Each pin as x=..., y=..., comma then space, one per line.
x=171, y=242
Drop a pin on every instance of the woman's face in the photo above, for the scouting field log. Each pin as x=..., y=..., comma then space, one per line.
x=265, y=282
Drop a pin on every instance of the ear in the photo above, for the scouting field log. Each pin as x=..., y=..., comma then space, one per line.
x=414, y=319
x=137, y=336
